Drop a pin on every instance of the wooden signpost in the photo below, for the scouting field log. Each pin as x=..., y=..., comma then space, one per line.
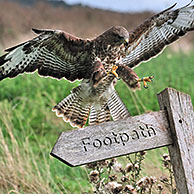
x=172, y=126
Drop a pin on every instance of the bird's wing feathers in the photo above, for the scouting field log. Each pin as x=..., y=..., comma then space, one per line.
x=53, y=53
x=149, y=39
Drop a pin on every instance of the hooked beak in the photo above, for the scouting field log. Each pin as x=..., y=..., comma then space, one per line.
x=126, y=40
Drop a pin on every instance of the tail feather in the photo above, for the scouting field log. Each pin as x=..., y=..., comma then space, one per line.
x=117, y=108
x=76, y=109
x=99, y=115
x=79, y=115
x=65, y=106
x=114, y=108
x=73, y=109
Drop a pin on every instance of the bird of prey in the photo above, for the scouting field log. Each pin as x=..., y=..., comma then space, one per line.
x=98, y=62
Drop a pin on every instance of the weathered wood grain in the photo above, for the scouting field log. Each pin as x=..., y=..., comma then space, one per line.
x=180, y=114
x=107, y=140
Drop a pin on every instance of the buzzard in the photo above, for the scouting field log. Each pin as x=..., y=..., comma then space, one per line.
x=98, y=62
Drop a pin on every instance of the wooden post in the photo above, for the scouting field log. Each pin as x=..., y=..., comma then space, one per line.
x=180, y=115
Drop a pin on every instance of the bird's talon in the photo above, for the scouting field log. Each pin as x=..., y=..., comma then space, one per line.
x=145, y=80
x=113, y=71
x=145, y=86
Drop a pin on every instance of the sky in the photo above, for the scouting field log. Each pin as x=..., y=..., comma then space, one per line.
x=131, y=5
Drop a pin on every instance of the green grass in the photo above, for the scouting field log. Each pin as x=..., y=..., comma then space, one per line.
x=29, y=129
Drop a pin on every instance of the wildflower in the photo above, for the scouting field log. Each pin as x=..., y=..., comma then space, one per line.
x=117, y=167
x=94, y=176
x=166, y=160
x=147, y=181
x=129, y=167
x=129, y=189
x=165, y=156
x=140, y=182
x=112, y=162
x=136, y=166
x=91, y=165
x=142, y=153
x=114, y=187
x=153, y=180
x=166, y=164
x=164, y=179
x=113, y=177
x=144, y=182
x=138, y=188
x=103, y=163
x=159, y=187
x=124, y=179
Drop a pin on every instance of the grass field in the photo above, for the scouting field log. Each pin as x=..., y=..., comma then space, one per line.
x=29, y=129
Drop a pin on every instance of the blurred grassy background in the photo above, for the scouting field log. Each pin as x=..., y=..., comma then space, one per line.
x=28, y=127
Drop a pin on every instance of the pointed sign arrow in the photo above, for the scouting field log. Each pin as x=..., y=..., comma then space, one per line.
x=113, y=139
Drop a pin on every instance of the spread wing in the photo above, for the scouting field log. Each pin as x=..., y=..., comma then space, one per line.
x=53, y=53
x=150, y=38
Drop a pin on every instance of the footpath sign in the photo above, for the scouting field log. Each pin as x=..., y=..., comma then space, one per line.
x=172, y=126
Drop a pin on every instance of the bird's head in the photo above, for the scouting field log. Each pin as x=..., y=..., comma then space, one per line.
x=115, y=35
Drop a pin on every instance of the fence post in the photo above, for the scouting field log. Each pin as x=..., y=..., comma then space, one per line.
x=180, y=114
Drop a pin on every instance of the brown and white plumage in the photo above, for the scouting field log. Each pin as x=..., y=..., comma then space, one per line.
x=151, y=37
x=61, y=55
x=53, y=53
